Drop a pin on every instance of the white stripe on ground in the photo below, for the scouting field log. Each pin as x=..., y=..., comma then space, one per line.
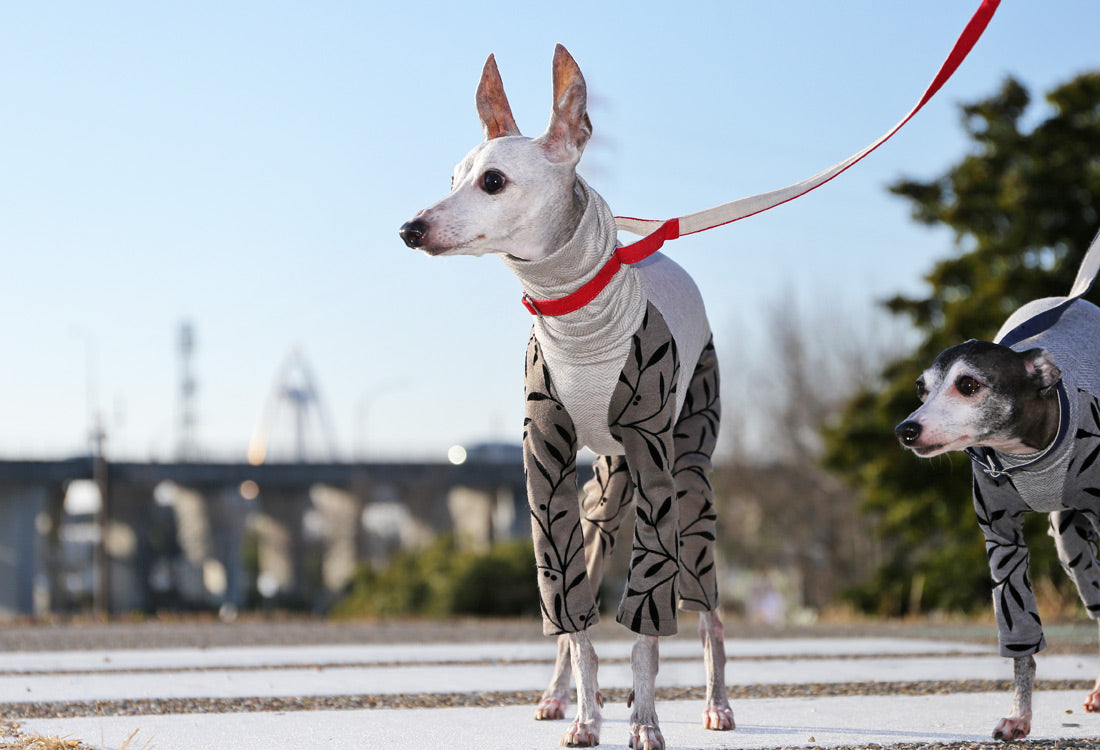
x=414, y=678
x=257, y=656
x=764, y=723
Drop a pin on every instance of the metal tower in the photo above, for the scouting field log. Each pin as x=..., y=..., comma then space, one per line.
x=308, y=427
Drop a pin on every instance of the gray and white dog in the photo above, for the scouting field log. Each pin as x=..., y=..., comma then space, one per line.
x=631, y=374
x=1028, y=415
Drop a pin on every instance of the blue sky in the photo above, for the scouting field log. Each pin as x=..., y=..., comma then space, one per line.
x=245, y=166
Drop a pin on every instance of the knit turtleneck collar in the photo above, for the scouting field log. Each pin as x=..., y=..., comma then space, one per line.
x=603, y=324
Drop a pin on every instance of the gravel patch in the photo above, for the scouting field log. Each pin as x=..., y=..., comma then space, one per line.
x=158, y=706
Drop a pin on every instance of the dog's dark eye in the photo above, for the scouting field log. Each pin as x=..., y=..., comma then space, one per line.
x=922, y=391
x=967, y=385
x=493, y=182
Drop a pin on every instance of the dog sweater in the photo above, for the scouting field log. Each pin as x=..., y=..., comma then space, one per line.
x=1064, y=483
x=586, y=349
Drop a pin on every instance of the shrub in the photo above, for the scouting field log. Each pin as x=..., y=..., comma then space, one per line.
x=440, y=580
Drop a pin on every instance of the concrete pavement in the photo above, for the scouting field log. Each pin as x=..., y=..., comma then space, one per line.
x=283, y=696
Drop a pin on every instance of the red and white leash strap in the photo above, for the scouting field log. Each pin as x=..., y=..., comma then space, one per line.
x=656, y=232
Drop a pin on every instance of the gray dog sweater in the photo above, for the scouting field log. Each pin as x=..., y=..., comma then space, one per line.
x=586, y=349
x=633, y=376
x=1064, y=483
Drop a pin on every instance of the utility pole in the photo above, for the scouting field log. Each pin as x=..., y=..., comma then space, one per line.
x=101, y=562
x=186, y=447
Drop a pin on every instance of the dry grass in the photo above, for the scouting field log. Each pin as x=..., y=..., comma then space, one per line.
x=12, y=737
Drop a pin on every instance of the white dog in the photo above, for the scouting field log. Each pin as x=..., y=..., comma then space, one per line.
x=626, y=367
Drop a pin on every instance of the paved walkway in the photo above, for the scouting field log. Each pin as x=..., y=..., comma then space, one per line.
x=828, y=692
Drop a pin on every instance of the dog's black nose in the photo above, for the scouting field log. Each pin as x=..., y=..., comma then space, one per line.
x=413, y=232
x=908, y=432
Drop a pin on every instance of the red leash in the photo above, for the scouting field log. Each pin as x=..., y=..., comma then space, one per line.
x=657, y=232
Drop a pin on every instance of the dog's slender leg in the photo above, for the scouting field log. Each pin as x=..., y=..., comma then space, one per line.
x=696, y=436
x=1074, y=533
x=717, y=714
x=641, y=417
x=645, y=734
x=584, y=730
x=607, y=498
x=550, y=463
x=1092, y=702
x=554, y=701
x=608, y=495
x=1018, y=725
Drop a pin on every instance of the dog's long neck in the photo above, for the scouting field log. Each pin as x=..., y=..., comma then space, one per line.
x=614, y=315
x=1038, y=419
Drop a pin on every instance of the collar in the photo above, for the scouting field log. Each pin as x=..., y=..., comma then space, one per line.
x=623, y=255
x=987, y=460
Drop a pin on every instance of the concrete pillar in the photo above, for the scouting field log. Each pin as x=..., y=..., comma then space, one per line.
x=480, y=517
x=193, y=535
x=129, y=550
x=282, y=548
x=19, y=547
x=52, y=560
x=226, y=579
x=340, y=512
x=211, y=524
x=472, y=516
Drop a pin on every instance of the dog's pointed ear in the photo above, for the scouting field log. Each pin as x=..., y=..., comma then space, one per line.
x=1040, y=366
x=569, y=128
x=492, y=104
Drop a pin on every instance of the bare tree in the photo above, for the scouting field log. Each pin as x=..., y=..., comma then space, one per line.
x=780, y=510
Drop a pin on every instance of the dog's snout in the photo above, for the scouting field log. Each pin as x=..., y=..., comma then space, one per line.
x=908, y=431
x=413, y=232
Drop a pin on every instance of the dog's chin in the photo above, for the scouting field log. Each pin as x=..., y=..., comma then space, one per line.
x=928, y=450
x=436, y=252
x=466, y=248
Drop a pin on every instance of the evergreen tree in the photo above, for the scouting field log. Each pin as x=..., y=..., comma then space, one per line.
x=1023, y=205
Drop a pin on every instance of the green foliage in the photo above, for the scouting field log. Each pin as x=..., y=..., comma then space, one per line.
x=1023, y=206
x=440, y=580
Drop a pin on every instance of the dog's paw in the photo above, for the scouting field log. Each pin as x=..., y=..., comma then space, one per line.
x=646, y=737
x=1092, y=702
x=1012, y=728
x=582, y=734
x=719, y=718
x=550, y=709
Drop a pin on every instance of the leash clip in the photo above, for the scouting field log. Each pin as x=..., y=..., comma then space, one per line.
x=529, y=303
x=988, y=464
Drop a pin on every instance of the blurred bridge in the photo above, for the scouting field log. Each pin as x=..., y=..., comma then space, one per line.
x=229, y=535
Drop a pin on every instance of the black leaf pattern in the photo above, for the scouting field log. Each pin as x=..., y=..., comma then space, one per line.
x=554, y=452
x=643, y=417
x=576, y=582
x=658, y=354
x=652, y=570
x=663, y=511
x=1089, y=460
x=654, y=449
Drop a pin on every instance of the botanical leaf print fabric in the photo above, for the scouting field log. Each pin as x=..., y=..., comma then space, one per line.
x=664, y=473
x=1000, y=511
